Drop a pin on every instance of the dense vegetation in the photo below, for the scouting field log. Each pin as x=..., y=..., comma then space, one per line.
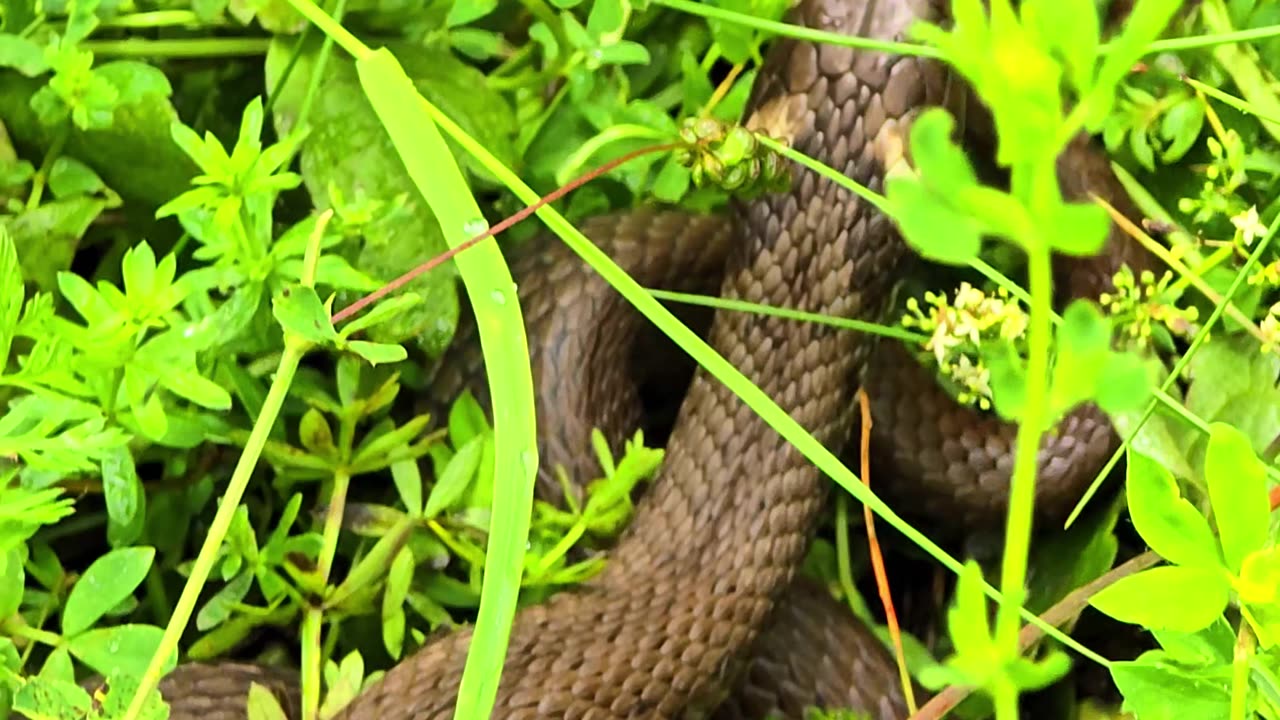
x=192, y=190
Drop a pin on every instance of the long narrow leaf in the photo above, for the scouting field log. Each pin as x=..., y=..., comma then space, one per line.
x=492, y=291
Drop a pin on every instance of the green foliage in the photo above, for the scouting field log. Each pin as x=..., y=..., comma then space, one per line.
x=1188, y=598
x=141, y=346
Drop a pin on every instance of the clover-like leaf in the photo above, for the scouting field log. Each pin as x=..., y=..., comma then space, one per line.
x=1237, y=482
x=1186, y=599
x=1166, y=521
x=105, y=584
x=299, y=311
x=119, y=648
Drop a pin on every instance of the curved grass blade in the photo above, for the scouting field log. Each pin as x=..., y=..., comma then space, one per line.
x=405, y=115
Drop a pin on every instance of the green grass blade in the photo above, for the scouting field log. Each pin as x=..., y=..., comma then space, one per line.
x=407, y=118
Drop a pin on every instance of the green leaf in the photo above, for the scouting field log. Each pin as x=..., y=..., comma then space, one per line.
x=465, y=12
x=607, y=19
x=466, y=419
x=125, y=497
x=47, y=237
x=371, y=570
x=1155, y=690
x=196, y=388
x=393, y=597
x=1238, y=490
x=135, y=156
x=11, y=292
x=970, y=631
x=926, y=209
x=1084, y=341
x=343, y=681
x=1143, y=25
x=376, y=353
x=136, y=82
x=223, y=603
x=1233, y=383
x=1070, y=29
x=1260, y=577
x=86, y=299
x=125, y=649
x=105, y=584
x=263, y=704
x=1123, y=385
x=407, y=477
x=350, y=150
x=48, y=698
x=1259, y=589
x=1076, y=229
x=139, y=271
x=348, y=380
x=1186, y=599
x=476, y=44
x=1008, y=378
x=22, y=54
x=298, y=310
x=13, y=579
x=456, y=478
x=624, y=53
x=381, y=312
x=375, y=451
x=1211, y=646
x=1167, y=522
x=150, y=415
x=69, y=176
x=315, y=435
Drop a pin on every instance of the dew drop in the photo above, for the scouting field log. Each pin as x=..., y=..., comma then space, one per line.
x=475, y=227
x=498, y=297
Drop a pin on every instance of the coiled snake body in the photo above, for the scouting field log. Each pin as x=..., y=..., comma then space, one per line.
x=696, y=613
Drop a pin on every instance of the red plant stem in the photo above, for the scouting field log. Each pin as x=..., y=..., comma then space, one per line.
x=877, y=557
x=551, y=197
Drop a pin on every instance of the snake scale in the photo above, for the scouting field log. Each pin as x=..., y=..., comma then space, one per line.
x=699, y=611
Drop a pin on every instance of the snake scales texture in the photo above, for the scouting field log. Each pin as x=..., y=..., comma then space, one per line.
x=699, y=611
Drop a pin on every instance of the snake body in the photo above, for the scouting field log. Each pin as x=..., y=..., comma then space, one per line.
x=698, y=612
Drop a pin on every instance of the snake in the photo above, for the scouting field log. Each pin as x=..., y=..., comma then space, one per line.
x=700, y=610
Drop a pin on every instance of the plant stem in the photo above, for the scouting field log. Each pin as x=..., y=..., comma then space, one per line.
x=312, y=656
x=294, y=349
x=1013, y=569
x=1240, y=671
x=194, y=48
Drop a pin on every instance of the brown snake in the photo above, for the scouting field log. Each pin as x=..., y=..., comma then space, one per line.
x=697, y=612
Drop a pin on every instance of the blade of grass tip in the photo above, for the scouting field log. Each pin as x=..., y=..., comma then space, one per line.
x=502, y=338
x=721, y=369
